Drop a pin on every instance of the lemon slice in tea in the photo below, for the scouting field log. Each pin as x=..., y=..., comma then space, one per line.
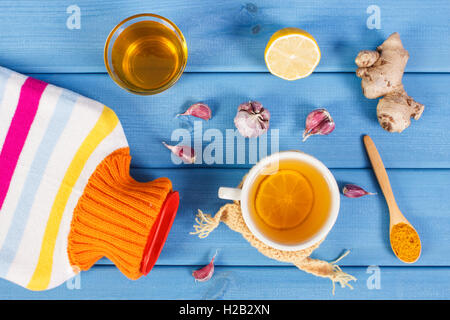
x=292, y=54
x=284, y=199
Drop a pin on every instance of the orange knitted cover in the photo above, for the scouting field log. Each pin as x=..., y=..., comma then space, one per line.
x=114, y=216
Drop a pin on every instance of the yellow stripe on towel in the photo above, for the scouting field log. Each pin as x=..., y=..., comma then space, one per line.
x=104, y=126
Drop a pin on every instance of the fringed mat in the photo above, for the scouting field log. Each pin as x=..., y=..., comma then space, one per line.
x=231, y=215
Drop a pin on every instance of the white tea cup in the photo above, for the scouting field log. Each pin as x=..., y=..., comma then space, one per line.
x=269, y=165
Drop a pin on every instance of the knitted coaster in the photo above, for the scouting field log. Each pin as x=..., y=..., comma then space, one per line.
x=231, y=215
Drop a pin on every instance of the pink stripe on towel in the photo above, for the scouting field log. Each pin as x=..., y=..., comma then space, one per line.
x=30, y=94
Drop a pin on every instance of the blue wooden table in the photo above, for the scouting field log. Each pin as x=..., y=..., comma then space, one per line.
x=226, y=41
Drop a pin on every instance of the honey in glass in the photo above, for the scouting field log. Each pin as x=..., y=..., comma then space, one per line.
x=146, y=54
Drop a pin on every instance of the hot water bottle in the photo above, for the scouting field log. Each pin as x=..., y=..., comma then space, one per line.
x=66, y=196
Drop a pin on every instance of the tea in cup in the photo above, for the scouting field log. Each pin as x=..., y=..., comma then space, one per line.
x=289, y=200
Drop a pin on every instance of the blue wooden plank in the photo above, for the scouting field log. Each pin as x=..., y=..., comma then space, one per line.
x=149, y=120
x=243, y=283
x=225, y=36
x=362, y=225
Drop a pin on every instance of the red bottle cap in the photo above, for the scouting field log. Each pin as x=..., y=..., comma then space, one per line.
x=159, y=232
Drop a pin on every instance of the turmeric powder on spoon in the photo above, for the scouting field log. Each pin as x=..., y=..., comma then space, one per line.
x=405, y=242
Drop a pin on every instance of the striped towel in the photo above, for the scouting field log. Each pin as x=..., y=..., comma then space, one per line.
x=66, y=197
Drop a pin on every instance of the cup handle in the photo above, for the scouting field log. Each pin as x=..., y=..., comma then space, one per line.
x=230, y=193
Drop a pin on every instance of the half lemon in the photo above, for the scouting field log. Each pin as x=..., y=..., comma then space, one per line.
x=292, y=54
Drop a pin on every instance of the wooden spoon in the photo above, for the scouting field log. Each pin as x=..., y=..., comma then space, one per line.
x=396, y=215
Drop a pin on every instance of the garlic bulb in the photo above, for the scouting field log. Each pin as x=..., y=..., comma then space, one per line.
x=252, y=120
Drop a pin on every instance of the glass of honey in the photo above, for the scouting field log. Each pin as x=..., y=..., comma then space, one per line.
x=145, y=54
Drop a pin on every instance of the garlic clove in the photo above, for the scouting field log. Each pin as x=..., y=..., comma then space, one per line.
x=354, y=191
x=186, y=153
x=199, y=110
x=252, y=119
x=205, y=273
x=320, y=122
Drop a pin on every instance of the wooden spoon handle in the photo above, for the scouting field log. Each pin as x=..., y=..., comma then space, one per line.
x=380, y=172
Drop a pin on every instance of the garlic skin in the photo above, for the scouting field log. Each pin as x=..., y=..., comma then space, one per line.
x=320, y=122
x=354, y=191
x=205, y=273
x=186, y=153
x=199, y=110
x=252, y=119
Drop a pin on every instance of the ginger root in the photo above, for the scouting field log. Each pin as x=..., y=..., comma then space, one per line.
x=381, y=74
